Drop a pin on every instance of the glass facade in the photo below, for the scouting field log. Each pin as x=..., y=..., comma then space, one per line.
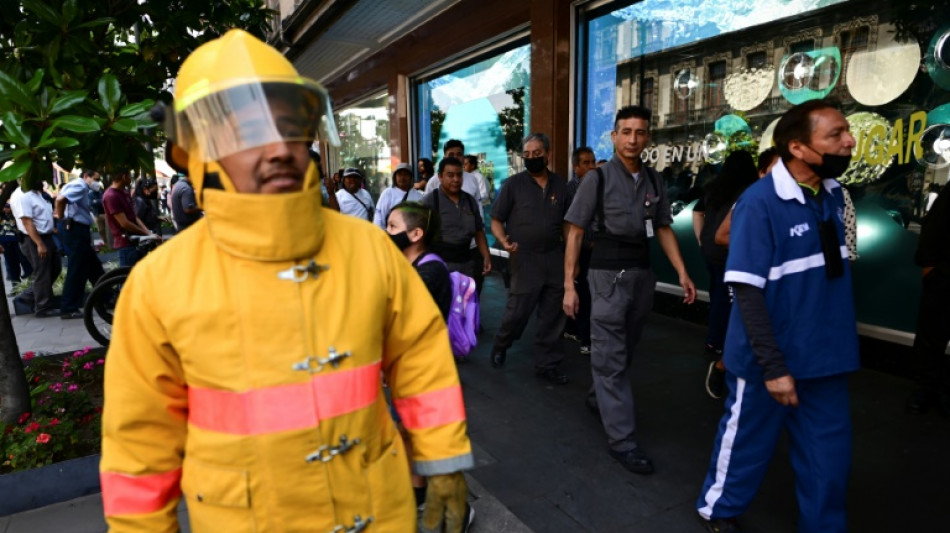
x=364, y=142
x=717, y=77
x=486, y=105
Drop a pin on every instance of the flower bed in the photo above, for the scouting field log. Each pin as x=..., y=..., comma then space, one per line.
x=64, y=422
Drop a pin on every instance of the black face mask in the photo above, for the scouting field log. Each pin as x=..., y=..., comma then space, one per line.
x=832, y=166
x=401, y=240
x=534, y=165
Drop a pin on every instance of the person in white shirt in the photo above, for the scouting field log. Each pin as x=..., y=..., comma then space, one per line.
x=352, y=198
x=400, y=192
x=470, y=165
x=455, y=148
x=36, y=215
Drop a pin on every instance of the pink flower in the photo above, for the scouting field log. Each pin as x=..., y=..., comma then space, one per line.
x=72, y=388
x=23, y=418
x=53, y=422
x=28, y=355
x=32, y=427
x=56, y=387
x=77, y=354
x=101, y=362
x=67, y=374
x=88, y=366
x=86, y=349
x=43, y=438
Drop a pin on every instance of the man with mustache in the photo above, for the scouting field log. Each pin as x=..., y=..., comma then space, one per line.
x=254, y=388
x=792, y=336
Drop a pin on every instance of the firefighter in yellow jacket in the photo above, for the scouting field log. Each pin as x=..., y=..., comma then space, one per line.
x=245, y=366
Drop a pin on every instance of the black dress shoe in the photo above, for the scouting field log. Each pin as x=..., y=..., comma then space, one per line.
x=634, y=461
x=46, y=313
x=71, y=315
x=498, y=358
x=553, y=375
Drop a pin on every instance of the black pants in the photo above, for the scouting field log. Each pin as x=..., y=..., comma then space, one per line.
x=537, y=281
x=580, y=325
x=83, y=266
x=45, y=271
x=933, y=333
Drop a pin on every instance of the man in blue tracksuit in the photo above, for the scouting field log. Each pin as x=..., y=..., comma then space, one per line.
x=792, y=338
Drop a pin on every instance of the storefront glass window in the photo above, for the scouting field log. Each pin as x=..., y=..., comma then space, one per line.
x=485, y=105
x=717, y=77
x=364, y=142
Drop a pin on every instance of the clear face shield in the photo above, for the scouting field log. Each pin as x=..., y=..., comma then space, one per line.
x=251, y=115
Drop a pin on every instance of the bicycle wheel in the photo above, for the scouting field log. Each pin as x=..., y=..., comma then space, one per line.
x=100, y=307
x=120, y=271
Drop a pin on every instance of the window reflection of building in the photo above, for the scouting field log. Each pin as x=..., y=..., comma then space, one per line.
x=888, y=202
x=853, y=36
x=484, y=101
x=717, y=77
x=364, y=142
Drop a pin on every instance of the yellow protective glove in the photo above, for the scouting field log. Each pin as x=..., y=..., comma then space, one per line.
x=445, y=503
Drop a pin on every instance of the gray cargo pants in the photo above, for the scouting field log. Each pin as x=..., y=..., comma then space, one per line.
x=620, y=303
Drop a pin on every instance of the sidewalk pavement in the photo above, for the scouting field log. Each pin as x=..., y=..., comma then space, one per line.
x=542, y=463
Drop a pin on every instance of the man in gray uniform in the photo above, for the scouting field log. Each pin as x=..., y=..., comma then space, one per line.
x=528, y=221
x=628, y=205
x=461, y=222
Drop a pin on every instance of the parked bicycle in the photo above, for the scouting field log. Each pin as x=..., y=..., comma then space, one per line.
x=99, y=309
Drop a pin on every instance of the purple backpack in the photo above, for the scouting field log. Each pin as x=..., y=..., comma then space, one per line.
x=463, y=314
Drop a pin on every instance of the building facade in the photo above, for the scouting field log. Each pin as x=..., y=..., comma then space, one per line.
x=407, y=75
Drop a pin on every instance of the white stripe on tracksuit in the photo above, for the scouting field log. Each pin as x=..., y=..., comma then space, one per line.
x=725, y=452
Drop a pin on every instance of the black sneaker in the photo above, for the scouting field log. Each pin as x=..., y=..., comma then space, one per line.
x=715, y=381
x=633, y=460
x=721, y=525
x=585, y=349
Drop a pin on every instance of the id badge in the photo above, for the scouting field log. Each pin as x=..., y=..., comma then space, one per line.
x=648, y=224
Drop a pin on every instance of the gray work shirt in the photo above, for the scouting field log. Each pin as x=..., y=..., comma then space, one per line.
x=628, y=201
x=459, y=221
x=533, y=217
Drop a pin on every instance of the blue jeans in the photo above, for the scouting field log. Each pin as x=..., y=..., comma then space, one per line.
x=128, y=256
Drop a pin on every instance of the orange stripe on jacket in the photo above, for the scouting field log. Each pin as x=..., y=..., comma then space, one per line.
x=432, y=409
x=127, y=494
x=284, y=407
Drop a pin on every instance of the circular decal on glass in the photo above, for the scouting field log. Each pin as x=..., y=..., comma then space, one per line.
x=807, y=76
x=869, y=158
x=714, y=148
x=730, y=124
x=939, y=115
x=876, y=77
x=766, y=141
x=746, y=89
x=685, y=84
x=938, y=58
x=935, y=146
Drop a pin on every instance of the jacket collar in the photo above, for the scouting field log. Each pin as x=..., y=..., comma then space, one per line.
x=266, y=227
x=787, y=188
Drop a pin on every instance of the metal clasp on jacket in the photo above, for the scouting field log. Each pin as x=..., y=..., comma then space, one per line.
x=358, y=525
x=325, y=453
x=314, y=364
x=300, y=273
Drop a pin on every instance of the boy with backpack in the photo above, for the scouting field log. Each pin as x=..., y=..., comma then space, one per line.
x=412, y=228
